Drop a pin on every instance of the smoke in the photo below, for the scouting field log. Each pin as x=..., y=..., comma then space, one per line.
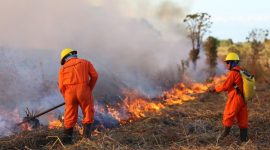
x=132, y=44
x=201, y=73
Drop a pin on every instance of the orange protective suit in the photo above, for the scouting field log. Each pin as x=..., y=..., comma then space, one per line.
x=235, y=106
x=77, y=78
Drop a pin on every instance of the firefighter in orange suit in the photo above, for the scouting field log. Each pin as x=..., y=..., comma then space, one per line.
x=235, y=106
x=77, y=79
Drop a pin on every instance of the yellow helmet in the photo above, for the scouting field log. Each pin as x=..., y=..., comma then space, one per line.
x=232, y=56
x=65, y=52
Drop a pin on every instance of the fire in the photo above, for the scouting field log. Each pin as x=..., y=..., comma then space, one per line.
x=182, y=93
x=55, y=124
x=140, y=107
x=114, y=113
x=199, y=88
x=134, y=106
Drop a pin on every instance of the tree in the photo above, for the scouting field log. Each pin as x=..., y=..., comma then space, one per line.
x=182, y=67
x=256, y=38
x=210, y=47
x=230, y=42
x=198, y=25
x=226, y=42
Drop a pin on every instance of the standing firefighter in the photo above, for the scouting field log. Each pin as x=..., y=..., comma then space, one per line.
x=235, y=106
x=77, y=79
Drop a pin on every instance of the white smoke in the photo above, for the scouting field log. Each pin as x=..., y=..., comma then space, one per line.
x=134, y=44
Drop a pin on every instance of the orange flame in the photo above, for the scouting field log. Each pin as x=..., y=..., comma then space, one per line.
x=55, y=124
x=114, y=113
x=137, y=106
x=140, y=107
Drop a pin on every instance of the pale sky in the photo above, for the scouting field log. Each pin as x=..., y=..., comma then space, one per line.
x=231, y=18
x=234, y=18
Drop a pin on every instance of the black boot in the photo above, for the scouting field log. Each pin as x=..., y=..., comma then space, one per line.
x=67, y=139
x=243, y=135
x=87, y=129
x=225, y=132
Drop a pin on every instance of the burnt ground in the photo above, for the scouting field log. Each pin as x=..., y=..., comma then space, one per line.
x=193, y=125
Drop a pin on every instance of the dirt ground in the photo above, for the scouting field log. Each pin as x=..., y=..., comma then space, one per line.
x=194, y=124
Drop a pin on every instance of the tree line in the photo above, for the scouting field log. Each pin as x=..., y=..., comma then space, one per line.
x=199, y=24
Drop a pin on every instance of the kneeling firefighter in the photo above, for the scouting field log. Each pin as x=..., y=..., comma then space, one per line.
x=236, y=106
x=77, y=79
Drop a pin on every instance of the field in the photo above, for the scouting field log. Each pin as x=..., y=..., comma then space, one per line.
x=194, y=124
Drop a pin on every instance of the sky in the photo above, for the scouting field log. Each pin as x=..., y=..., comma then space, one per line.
x=231, y=18
x=234, y=18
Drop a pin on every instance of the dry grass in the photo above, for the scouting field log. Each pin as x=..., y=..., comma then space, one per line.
x=192, y=125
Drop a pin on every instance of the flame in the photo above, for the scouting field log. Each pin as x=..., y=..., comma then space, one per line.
x=55, y=124
x=114, y=113
x=26, y=127
x=138, y=108
x=134, y=106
